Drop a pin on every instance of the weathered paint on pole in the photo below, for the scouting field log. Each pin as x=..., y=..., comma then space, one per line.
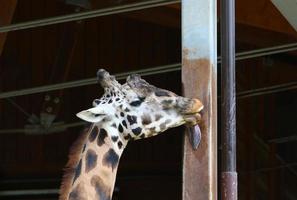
x=228, y=102
x=199, y=77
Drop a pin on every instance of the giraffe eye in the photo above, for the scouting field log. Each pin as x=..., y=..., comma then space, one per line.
x=137, y=102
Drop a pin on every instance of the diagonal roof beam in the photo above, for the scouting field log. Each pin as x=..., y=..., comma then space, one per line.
x=7, y=9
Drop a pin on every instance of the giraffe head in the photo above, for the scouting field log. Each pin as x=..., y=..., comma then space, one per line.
x=138, y=109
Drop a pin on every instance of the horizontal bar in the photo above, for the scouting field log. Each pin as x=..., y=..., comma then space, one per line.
x=89, y=81
x=145, y=72
x=29, y=192
x=282, y=140
x=51, y=129
x=267, y=90
x=88, y=14
x=55, y=191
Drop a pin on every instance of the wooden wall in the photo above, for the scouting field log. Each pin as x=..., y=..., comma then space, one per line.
x=264, y=164
x=151, y=168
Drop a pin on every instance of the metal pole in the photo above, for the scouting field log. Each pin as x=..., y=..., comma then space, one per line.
x=199, y=78
x=228, y=103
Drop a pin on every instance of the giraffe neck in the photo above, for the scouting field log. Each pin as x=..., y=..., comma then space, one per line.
x=93, y=170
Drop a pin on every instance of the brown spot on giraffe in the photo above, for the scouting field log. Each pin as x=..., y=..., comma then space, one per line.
x=101, y=137
x=91, y=160
x=163, y=125
x=77, y=171
x=137, y=131
x=120, y=144
x=111, y=159
x=102, y=190
x=146, y=119
x=157, y=117
x=152, y=131
x=127, y=137
x=160, y=93
x=78, y=193
x=114, y=138
x=93, y=134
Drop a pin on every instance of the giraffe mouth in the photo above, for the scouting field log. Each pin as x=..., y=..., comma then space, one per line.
x=194, y=132
x=193, y=116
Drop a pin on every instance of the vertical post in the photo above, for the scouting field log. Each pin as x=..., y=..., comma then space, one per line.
x=228, y=116
x=199, y=77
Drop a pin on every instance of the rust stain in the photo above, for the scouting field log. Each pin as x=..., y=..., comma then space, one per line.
x=229, y=180
x=199, y=81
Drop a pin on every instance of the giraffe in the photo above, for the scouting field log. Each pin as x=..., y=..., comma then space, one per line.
x=131, y=111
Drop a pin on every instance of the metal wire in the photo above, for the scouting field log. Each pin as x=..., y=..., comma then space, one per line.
x=88, y=14
x=145, y=72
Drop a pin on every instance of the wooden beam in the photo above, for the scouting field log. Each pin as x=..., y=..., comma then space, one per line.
x=262, y=14
x=7, y=9
x=199, y=77
x=254, y=37
x=259, y=37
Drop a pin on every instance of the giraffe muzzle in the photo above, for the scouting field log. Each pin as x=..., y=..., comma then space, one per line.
x=189, y=106
x=192, y=118
x=105, y=79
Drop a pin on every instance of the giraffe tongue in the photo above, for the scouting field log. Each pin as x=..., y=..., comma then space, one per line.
x=194, y=134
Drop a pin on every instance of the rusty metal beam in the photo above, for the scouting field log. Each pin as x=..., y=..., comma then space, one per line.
x=199, y=77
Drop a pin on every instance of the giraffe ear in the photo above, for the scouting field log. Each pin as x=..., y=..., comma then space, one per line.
x=92, y=115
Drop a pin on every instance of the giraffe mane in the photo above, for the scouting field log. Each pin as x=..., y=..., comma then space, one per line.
x=73, y=159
